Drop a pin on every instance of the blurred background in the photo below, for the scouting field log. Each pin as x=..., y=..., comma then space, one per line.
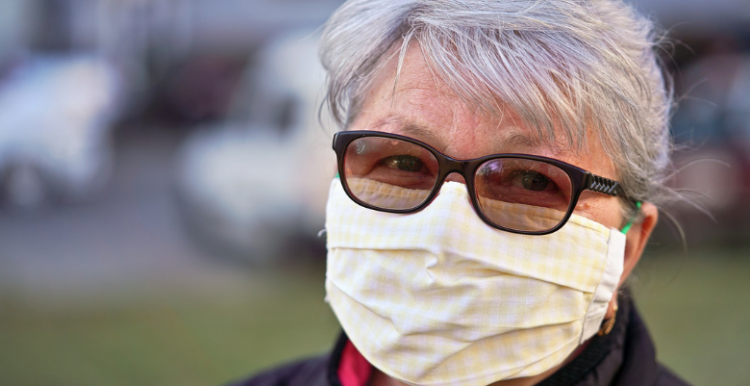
x=150, y=233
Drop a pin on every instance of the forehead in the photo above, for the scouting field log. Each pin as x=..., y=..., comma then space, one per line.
x=417, y=103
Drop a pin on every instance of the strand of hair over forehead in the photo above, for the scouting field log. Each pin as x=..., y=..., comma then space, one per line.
x=578, y=66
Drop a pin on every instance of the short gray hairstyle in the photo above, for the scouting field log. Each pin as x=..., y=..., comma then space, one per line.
x=569, y=65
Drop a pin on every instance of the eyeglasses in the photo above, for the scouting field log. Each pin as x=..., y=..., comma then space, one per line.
x=518, y=193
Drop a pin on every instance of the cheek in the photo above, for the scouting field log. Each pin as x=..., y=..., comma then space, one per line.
x=604, y=210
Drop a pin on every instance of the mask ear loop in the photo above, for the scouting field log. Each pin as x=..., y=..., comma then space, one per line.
x=627, y=226
x=608, y=324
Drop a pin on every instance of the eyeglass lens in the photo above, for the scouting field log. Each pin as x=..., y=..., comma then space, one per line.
x=515, y=193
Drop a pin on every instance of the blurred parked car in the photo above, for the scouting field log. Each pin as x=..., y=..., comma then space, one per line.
x=55, y=117
x=259, y=180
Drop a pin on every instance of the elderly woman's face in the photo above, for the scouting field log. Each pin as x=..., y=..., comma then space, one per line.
x=423, y=107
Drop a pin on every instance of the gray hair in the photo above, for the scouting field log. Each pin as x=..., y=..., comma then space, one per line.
x=565, y=65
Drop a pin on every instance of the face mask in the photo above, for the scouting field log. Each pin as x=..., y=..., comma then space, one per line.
x=440, y=298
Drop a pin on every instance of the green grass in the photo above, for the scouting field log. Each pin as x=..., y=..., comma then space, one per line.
x=156, y=338
x=697, y=308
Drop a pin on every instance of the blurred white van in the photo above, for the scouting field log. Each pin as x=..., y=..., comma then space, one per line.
x=261, y=178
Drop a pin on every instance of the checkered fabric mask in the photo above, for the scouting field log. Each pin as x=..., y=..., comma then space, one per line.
x=440, y=298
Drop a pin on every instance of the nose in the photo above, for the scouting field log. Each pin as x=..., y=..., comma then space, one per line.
x=455, y=177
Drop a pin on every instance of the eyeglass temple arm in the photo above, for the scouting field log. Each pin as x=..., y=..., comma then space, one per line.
x=604, y=185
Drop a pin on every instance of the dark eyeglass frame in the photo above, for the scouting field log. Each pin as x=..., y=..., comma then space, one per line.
x=580, y=179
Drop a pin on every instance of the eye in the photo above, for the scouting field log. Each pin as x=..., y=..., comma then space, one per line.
x=406, y=163
x=534, y=181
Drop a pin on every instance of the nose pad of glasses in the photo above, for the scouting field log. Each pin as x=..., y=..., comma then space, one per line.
x=455, y=177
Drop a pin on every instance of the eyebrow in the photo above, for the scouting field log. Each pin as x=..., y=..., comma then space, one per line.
x=518, y=138
x=418, y=131
x=409, y=129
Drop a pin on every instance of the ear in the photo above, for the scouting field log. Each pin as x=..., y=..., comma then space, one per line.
x=637, y=238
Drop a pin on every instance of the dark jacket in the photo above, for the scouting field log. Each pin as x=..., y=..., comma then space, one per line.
x=624, y=357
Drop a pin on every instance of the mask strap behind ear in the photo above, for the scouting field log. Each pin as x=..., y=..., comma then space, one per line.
x=627, y=226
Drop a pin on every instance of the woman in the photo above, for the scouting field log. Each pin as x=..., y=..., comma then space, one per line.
x=498, y=174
